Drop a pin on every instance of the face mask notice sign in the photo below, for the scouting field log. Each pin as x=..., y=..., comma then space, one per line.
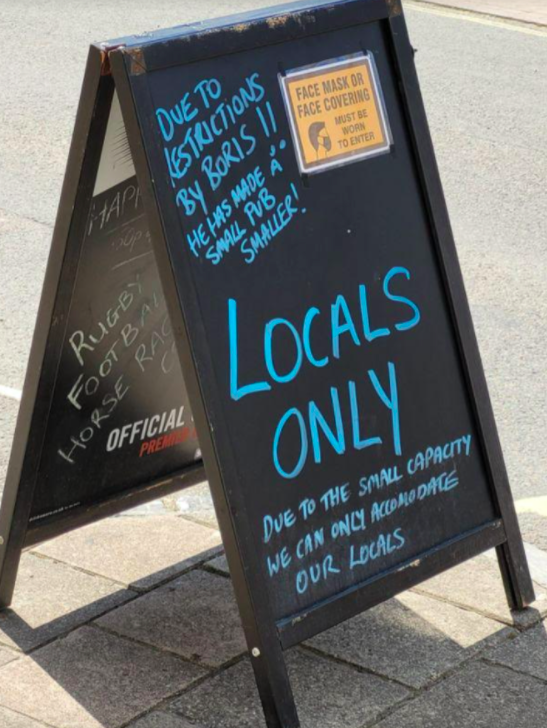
x=336, y=112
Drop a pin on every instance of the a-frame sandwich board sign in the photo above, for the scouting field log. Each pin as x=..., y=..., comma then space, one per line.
x=325, y=340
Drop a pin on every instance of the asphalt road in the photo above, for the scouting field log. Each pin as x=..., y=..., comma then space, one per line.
x=530, y=11
x=485, y=88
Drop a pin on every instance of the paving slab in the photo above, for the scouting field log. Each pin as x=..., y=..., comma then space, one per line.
x=52, y=598
x=138, y=552
x=9, y=719
x=481, y=696
x=196, y=504
x=7, y=656
x=220, y=564
x=534, y=528
x=195, y=616
x=159, y=719
x=327, y=694
x=527, y=653
x=477, y=585
x=92, y=679
x=412, y=639
x=537, y=561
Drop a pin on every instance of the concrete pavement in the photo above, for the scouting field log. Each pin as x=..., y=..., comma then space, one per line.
x=131, y=622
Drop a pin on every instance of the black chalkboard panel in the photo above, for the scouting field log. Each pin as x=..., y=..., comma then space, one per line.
x=336, y=382
x=307, y=261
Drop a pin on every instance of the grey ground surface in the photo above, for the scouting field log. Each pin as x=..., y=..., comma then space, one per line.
x=104, y=631
x=529, y=11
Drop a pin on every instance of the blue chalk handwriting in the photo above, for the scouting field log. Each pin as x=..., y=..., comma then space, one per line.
x=436, y=485
x=438, y=454
x=310, y=543
x=339, y=316
x=350, y=523
x=236, y=391
x=349, y=537
x=391, y=401
x=276, y=524
x=403, y=325
x=340, y=310
x=315, y=573
x=281, y=560
x=384, y=545
x=268, y=350
x=207, y=136
x=335, y=496
x=380, y=480
x=303, y=447
x=312, y=421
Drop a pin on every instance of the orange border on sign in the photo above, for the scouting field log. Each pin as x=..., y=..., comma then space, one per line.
x=343, y=157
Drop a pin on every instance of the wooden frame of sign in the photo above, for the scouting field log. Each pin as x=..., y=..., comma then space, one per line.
x=262, y=218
